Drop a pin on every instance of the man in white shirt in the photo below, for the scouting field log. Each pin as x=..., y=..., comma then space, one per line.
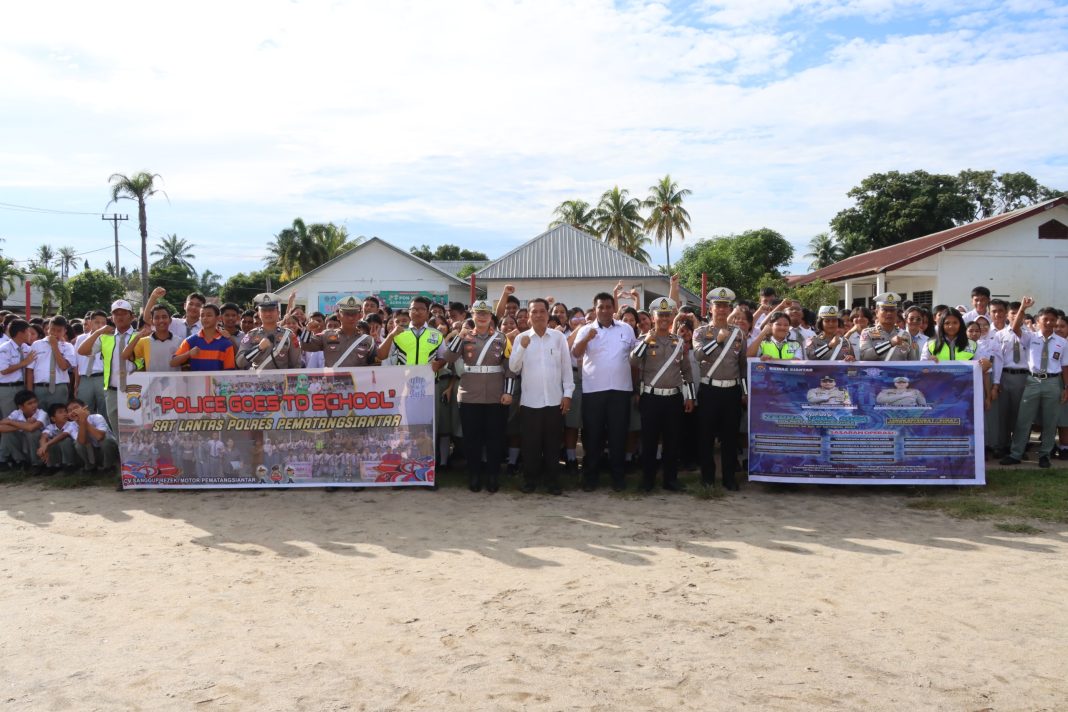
x=94, y=442
x=607, y=386
x=15, y=357
x=980, y=305
x=91, y=367
x=187, y=326
x=540, y=355
x=111, y=341
x=49, y=375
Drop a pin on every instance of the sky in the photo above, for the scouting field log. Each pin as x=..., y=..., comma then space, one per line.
x=469, y=122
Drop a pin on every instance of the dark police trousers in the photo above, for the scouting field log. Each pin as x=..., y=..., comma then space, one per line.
x=721, y=416
x=661, y=419
x=542, y=430
x=605, y=414
x=484, y=426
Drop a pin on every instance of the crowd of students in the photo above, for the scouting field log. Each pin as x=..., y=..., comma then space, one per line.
x=530, y=379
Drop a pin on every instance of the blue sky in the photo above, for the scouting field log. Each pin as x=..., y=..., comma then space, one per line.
x=469, y=122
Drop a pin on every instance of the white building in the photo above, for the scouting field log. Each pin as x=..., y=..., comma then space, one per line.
x=377, y=268
x=571, y=266
x=1024, y=252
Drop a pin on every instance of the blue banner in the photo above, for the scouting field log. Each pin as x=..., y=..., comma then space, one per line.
x=917, y=423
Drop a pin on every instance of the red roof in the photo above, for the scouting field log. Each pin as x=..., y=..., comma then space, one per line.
x=905, y=253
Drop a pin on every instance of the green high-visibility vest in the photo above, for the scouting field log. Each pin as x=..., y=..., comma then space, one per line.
x=949, y=352
x=418, y=349
x=788, y=350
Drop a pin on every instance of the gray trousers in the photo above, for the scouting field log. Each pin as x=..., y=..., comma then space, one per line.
x=1008, y=405
x=7, y=399
x=105, y=454
x=91, y=390
x=112, y=398
x=45, y=398
x=1041, y=398
x=19, y=447
x=63, y=453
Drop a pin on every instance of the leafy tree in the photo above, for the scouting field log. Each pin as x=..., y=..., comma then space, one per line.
x=824, y=251
x=241, y=287
x=741, y=262
x=850, y=245
x=67, y=258
x=576, y=213
x=446, y=252
x=894, y=207
x=618, y=218
x=43, y=257
x=209, y=283
x=139, y=187
x=667, y=217
x=173, y=250
x=176, y=279
x=814, y=294
x=10, y=278
x=991, y=193
x=92, y=289
x=466, y=271
x=51, y=286
x=301, y=247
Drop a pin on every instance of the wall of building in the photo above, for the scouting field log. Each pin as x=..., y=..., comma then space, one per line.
x=573, y=292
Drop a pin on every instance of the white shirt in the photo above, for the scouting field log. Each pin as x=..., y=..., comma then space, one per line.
x=1032, y=343
x=1008, y=339
x=117, y=361
x=181, y=330
x=970, y=316
x=10, y=354
x=40, y=416
x=545, y=366
x=43, y=350
x=88, y=365
x=606, y=363
x=97, y=421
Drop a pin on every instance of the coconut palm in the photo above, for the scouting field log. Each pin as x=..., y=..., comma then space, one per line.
x=139, y=187
x=173, y=250
x=852, y=244
x=43, y=257
x=332, y=240
x=667, y=217
x=10, y=278
x=635, y=247
x=824, y=251
x=618, y=218
x=68, y=260
x=301, y=248
x=576, y=213
x=209, y=282
x=51, y=285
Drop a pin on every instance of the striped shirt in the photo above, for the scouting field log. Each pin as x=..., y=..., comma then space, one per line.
x=216, y=355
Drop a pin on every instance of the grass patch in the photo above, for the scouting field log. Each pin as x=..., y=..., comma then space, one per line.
x=702, y=491
x=1009, y=494
x=1017, y=528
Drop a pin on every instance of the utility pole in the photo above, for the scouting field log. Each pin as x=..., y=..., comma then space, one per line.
x=115, y=219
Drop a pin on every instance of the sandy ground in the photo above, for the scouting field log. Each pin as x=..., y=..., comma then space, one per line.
x=384, y=600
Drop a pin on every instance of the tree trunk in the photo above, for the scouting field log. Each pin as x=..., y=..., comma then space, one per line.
x=142, y=219
x=667, y=247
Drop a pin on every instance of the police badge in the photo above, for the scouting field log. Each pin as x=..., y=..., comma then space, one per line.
x=133, y=396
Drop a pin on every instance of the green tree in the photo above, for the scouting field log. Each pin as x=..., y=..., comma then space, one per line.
x=814, y=294
x=741, y=262
x=618, y=218
x=67, y=258
x=11, y=278
x=466, y=271
x=301, y=247
x=894, y=207
x=139, y=187
x=991, y=193
x=50, y=284
x=176, y=279
x=242, y=287
x=667, y=217
x=93, y=289
x=209, y=283
x=44, y=257
x=576, y=213
x=173, y=250
x=446, y=252
x=824, y=251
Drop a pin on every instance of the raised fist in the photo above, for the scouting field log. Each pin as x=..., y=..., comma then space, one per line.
x=525, y=341
x=591, y=335
x=1027, y=302
x=509, y=289
x=194, y=352
x=265, y=344
x=158, y=292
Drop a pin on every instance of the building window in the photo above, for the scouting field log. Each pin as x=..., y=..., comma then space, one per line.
x=1053, y=230
x=923, y=299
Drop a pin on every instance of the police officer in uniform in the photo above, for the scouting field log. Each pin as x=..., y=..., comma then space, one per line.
x=901, y=395
x=884, y=341
x=269, y=346
x=345, y=347
x=666, y=391
x=486, y=389
x=828, y=393
x=721, y=355
x=827, y=345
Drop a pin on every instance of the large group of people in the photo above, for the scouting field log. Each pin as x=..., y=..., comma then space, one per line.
x=521, y=382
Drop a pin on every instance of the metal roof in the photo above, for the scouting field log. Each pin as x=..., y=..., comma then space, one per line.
x=454, y=266
x=905, y=253
x=565, y=252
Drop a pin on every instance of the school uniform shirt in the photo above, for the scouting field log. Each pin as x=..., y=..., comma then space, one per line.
x=606, y=363
x=11, y=354
x=52, y=430
x=40, y=416
x=1033, y=343
x=183, y=331
x=972, y=315
x=88, y=365
x=41, y=367
x=1012, y=345
x=97, y=421
x=545, y=367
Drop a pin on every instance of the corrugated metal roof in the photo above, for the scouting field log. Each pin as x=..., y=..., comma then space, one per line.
x=454, y=266
x=905, y=253
x=565, y=253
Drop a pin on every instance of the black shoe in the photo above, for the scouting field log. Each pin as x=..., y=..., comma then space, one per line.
x=587, y=487
x=731, y=484
x=1043, y=462
x=674, y=487
x=555, y=491
x=527, y=489
x=330, y=489
x=1009, y=460
x=513, y=469
x=571, y=467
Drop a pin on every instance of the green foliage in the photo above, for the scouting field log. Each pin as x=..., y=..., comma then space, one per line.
x=576, y=213
x=466, y=271
x=92, y=289
x=991, y=193
x=10, y=277
x=138, y=188
x=814, y=294
x=301, y=248
x=742, y=262
x=667, y=217
x=173, y=250
x=619, y=222
x=50, y=284
x=176, y=279
x=824, y=251
x=241, y=287
x=446, y=252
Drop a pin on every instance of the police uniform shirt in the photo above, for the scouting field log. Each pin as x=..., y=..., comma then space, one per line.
x=606, y=363
x=11, y=354
x=42, y=365
x=250, y=355
x=1033, y=344
x=707, y=350
x=875, y=345
x=653, y=358
x=334, y=343
x=828, y=396
x=903, y=397
x=480, y=387
x=819, y=348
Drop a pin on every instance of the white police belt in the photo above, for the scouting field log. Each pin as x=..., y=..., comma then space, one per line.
x=720, y=383
x=483, y=369
x=661, y=391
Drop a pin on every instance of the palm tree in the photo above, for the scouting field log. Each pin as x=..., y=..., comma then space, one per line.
x=667, y=216
x=68, y=259
x=618, y=218
x=139, y=187
x=173, y=250
x=209, y=283
x=44, y=257
x=10, y=278
x=332, y=240
x=302, y=248
x=852, y=244
x=824, y=251
x=635, y=247
x=576, y=213
x=51, y=286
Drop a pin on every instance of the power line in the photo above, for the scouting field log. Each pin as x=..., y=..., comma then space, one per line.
x=46, y=211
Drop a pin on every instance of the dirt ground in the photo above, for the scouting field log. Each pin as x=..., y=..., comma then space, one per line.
x=398, y=600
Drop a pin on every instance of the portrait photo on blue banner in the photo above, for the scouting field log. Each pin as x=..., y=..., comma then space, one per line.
x=362, y=427
x=866, y=423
